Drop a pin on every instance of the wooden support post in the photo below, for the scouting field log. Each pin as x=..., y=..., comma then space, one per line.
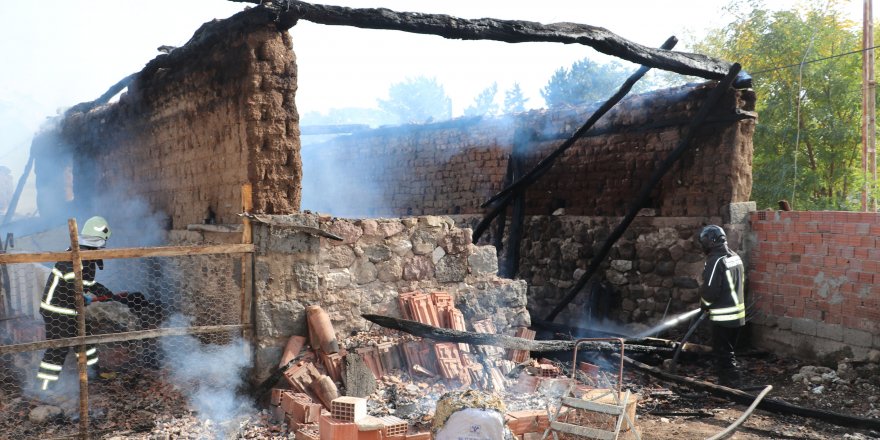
x=81, y=329
x=247, y=205
x=521, y=140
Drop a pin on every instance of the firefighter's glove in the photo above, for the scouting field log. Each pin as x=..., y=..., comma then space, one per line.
x=89, y=298
x=704, y=308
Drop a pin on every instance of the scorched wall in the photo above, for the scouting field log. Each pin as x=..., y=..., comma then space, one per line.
x=453, y=167
x=195, y=125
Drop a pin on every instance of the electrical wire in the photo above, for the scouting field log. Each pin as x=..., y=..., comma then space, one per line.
x=800, y=97
x=773, y=69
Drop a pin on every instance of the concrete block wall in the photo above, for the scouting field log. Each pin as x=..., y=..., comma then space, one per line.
x=194, y=126
x=378, y=260
x=452, y=167
x=816, y=278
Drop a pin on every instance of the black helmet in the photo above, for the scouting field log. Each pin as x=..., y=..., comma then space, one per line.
x=712, y=236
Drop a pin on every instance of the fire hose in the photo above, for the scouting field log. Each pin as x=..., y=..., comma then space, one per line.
x=735, y=425
x=674, y=364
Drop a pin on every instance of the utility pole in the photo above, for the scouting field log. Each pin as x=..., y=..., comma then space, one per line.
x=869, y=144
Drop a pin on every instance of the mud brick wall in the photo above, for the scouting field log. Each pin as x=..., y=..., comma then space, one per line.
x=195, y=125
x=653, y=271
x=816, y=279
x=452, y=167
x=377, y=260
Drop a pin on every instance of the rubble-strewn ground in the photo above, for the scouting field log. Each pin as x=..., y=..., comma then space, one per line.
x=143, y=406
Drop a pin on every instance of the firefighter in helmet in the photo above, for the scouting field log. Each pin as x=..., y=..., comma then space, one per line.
x=721, y=296
x=58, y=304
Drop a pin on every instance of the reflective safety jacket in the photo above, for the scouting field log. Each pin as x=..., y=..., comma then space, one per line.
x=722, y=289
x=59, y=295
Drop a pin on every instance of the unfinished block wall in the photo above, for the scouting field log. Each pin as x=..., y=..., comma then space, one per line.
x=815, y=277
x=453, y=167
x=377, y=260
x=194, y=126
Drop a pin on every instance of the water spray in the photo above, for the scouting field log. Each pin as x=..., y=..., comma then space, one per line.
x=667, y=324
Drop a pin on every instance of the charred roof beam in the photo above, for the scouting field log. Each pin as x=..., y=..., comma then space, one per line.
x=288, y=12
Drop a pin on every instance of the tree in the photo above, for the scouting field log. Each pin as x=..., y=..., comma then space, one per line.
x=807, y=143
x=484, y=103
x=417, y=100
x=586, y=81
x=514, y=101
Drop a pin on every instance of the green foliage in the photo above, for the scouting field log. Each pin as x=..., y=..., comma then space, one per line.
x=586, y=81
x=484, y=103
x=417, y=100
x=808, y=139
x=514, y=100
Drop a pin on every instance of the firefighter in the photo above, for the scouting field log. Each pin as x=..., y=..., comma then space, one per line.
x=58, y=304
x=721, y=296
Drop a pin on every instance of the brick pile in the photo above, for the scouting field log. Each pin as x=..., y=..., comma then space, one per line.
x=451, y=361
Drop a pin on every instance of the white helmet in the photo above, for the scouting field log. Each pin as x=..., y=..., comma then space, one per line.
x=95, y=232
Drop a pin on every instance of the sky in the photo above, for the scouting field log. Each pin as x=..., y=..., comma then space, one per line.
x=61, y=52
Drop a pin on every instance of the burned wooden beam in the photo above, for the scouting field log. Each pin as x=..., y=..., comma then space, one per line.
x=501, y=200
x=771, y=405
x=645, y=193
x=503, y=341
x=545, y=164
x=508, y=31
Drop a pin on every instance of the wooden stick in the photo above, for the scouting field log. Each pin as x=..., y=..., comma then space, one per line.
x=109, y=254
x=645, y=194
x=118, y=337
x=81, y=328
x=247, y=237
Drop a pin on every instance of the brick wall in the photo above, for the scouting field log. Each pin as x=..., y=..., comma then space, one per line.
x=195, y=125
x=815, y=277
x=454, y=166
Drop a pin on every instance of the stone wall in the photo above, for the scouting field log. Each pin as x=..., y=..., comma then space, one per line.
x=194, y=126
x=452, y=167
x=653, y=271
x=815, y=277
x=377, y=260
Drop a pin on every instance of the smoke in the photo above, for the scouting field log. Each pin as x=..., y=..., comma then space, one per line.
x=211, y=376
x=387, y=171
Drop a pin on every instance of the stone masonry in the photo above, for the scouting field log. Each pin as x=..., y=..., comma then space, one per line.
x=377, y=260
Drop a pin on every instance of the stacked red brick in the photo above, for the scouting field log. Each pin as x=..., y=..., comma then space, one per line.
x=819, y=272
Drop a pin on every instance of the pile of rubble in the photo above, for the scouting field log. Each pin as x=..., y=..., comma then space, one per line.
x=387, y=385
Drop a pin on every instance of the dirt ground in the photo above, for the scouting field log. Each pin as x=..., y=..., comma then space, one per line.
x=689, y=414
x=144, y=406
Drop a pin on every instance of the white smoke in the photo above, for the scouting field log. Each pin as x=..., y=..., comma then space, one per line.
x=211, y=376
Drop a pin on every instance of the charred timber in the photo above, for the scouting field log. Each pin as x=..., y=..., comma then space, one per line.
x=508, y=31
x=503, y=341
x=500, y=201
x=644, y=195
x=771, y=405
x=520, y=184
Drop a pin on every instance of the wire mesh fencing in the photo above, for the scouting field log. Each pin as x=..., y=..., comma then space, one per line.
x=155, y=318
